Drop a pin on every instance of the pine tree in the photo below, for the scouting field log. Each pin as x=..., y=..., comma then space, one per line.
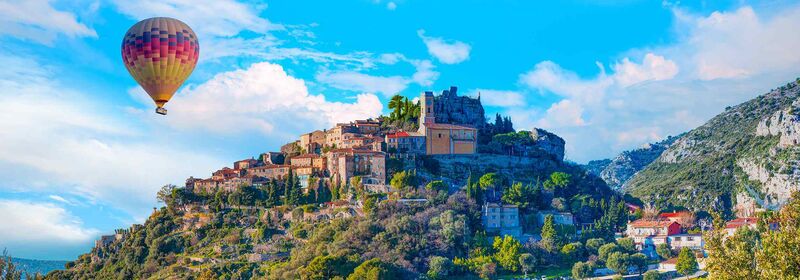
x=272, y=194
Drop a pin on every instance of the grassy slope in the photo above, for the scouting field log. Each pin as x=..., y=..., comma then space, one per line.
x=704, y=176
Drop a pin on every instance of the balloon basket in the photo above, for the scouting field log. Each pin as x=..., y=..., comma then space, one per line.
x=161, y=111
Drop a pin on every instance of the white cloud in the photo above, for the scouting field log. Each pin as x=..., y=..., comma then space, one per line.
x=499, y=98
x=354, y=81
x=565, y=113
x=65, y=142
x=446, y=51
x=653, y=68
x=221, y=18
x=740, y=43
x=39, y=21
x=424, y=75
x=262, y=99
x=391, y=6
x=719, y=60
x=28, y=227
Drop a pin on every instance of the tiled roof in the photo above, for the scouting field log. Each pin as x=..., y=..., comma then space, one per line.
x=306, y=156
x=651, y=223
x=739, y=222
x=403, y=134
x=674, y=214
x=447, y=126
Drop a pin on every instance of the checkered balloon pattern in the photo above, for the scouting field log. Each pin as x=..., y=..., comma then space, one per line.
x=160, y=53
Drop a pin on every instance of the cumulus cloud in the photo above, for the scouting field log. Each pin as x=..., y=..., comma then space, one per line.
x=653, y=68
x=739, y=43
x=391, y=6
x=222, y=18
x=446, y=51
x=39, y=21
x=64, y=141
x=28, y=227
x=719, y=60
x=264, y=99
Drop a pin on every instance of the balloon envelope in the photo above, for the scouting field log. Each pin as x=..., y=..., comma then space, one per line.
x=160, y=53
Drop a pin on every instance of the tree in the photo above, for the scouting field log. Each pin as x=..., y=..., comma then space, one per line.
x=396, y=104
x=779, y=256
x=652, y=275
x=734, y=257
x=520, y=195
x=404, y=181
x=549, y=235
x=326, y=267
x=639, y=262
x=374, y=269
x=436, y=186
x=618, y=262
x=527, y=263
x=572, y=251
x=604, y=251
x=557, y=180
x=687, y=263
x=593, y=244
x=507, y=252
x=489, y=183
x=439, y=267
x=664, y=251
x=627, y=245
x=8, y=271
x=581, y=270
x=164, y=195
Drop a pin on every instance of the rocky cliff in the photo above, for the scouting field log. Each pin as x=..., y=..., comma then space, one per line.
x=745, y=157
x=463, y=110
x=617, y=171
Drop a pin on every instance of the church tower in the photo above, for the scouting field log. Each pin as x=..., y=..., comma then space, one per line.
x=426, y=109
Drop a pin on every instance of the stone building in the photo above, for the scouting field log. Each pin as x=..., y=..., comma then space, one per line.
x=444, y=138
x=405, y=142
x=343, y=164
x=502, y=219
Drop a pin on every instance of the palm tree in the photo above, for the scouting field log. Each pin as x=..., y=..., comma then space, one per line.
x=396, y=104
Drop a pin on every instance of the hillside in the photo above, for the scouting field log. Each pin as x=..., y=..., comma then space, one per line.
x=743, y=158
x=617, y=171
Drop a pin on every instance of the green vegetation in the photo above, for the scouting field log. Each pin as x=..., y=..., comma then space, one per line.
x=700, y=170
x=760, y=253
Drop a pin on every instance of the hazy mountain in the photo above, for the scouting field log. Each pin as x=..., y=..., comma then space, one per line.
x=617, y=171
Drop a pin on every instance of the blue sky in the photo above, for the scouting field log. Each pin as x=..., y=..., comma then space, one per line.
x=82, y=153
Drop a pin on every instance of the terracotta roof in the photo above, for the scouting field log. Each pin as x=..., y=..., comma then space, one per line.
x=670, y=261
x=447, y=126
x=674, y=214
x=307, y=156
x=270, y=166
x=739, y=222
x=402, y=134
x=651, y=223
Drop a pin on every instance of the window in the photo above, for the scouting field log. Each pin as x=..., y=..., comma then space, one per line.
x=689, y=238
x=440, y=135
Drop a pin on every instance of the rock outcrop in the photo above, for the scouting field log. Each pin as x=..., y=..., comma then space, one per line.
x=461, y=110
x=548, y=142
x=784, y=123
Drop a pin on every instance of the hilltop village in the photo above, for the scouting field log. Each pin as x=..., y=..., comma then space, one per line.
x=432, y=190
x=359, y=149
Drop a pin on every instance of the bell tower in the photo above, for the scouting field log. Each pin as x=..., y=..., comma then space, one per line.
x=426, y=111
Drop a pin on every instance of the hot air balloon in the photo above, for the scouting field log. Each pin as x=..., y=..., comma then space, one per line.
x=160, y=53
